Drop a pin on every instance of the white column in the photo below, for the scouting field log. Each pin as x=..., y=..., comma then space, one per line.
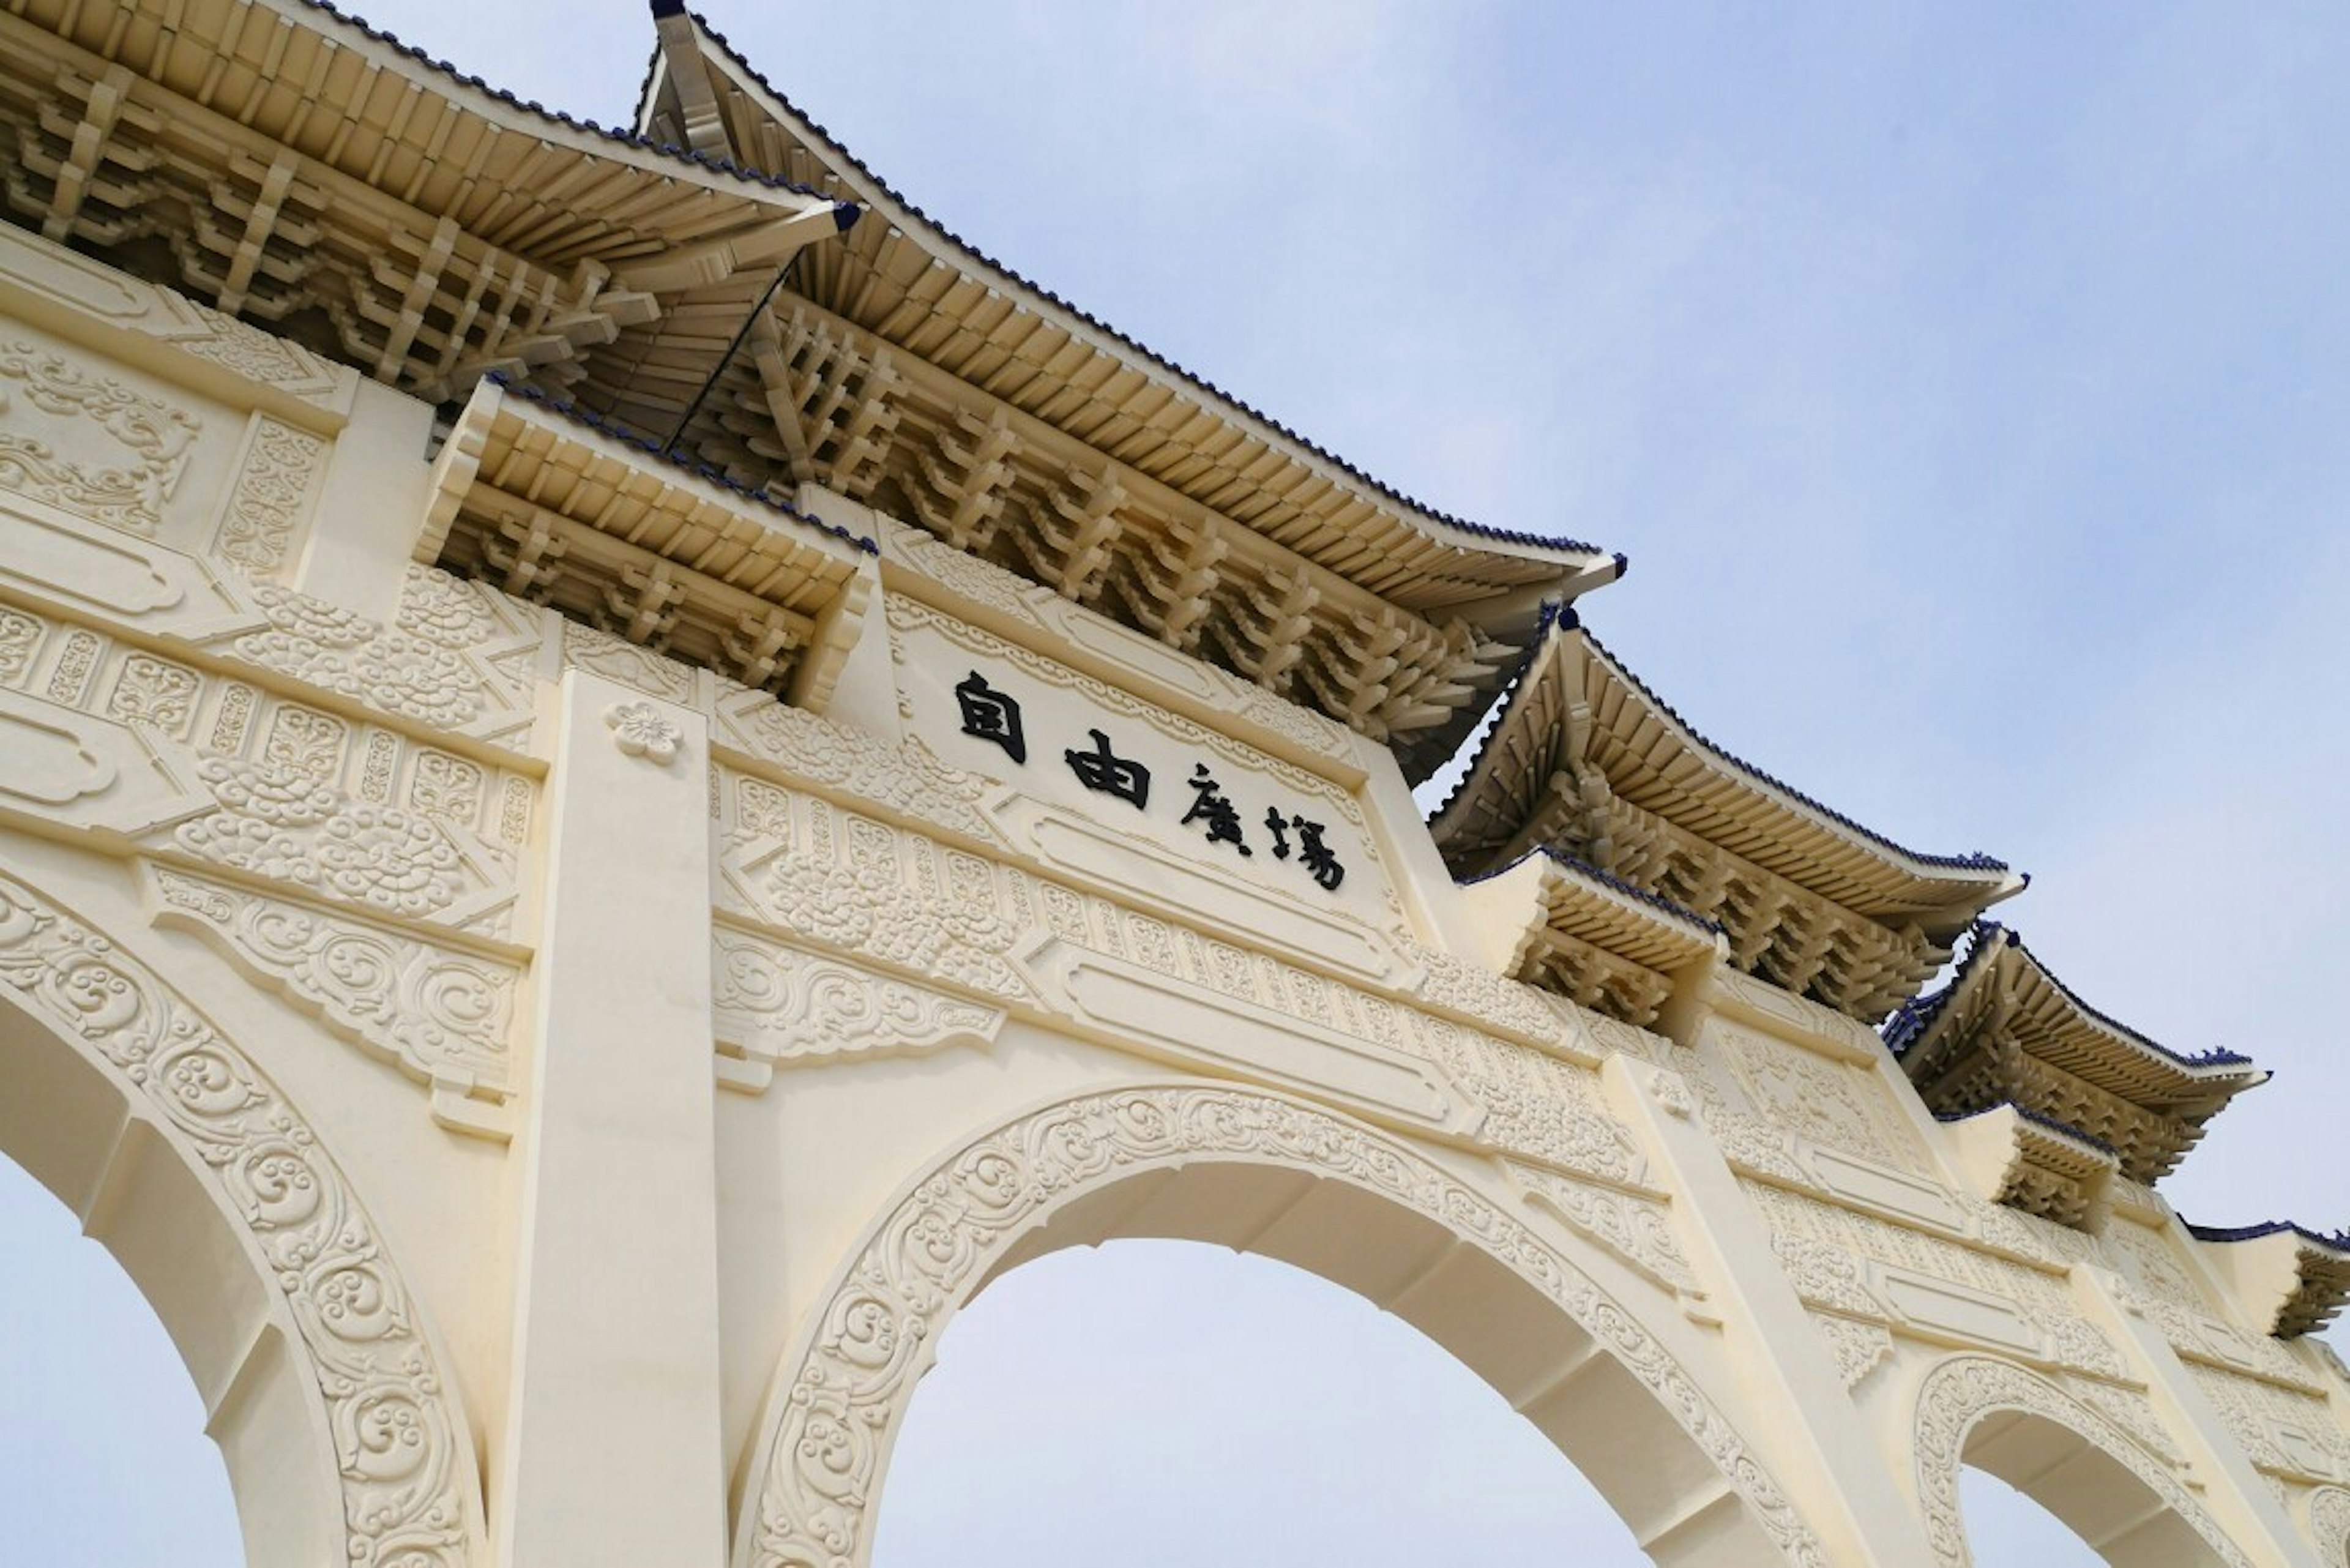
x=612, y=1439
x=1808, y=1430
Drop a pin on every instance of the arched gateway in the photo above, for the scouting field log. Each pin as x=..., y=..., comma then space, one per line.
x=1270, y=1176
x=709, y=770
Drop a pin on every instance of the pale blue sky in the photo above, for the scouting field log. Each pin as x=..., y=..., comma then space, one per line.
x=1965, y=384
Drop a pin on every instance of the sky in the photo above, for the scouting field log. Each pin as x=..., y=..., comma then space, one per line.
x=1966, y=385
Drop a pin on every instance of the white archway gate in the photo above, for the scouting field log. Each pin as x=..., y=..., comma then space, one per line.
x=1594, y=1378
x=329, y=1401
x=638, y=856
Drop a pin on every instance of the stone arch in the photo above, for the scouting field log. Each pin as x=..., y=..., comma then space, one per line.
x=2018, y=1426
x=2329, y=1525
x=1267, y=1175
x=343, y=1440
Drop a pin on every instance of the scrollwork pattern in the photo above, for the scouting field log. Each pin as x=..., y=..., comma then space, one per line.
x=153, y=436
x=409, y=1497
x=870, y=1340
x=440, y=1016
x=2329, y=1523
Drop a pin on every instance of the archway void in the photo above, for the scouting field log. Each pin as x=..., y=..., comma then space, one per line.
x=2107, y=1512
x=103, y=1457
x=2005, y=1525
x=1164, y=1404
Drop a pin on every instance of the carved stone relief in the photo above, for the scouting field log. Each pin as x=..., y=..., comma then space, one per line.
x=1963, y=1390
x=1869, y=1267
x=86, y=444
x=821, y=1464
x=1636, y=1228
x=2286, y=1432
x=882, y=895
x=268, y=499
x=1825, y=1102
x=409, y=1498
x=1860, y=1348
x=440, y=1016
x=2329, y=1524
x=78, y=284
x=774, y=1006
x=227, y=775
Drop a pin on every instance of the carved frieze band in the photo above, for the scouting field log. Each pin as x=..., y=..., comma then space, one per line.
x=1963, y=1390
x=85, y=442
x=775, y=1005
x=409, y=1498
x=838, y=1407
x=440, y=1016
x=186, y=761
x=840, y=882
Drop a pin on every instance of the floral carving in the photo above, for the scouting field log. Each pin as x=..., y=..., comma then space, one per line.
x=822, y=1461
x=442, y=1016
x=777, y=1005
x=20, y=636
x=281, y=823
x=152, y=437
x=641, y=730
x=1537, y=1106
x=409, y=1498
x=395, y=671
x=1635, y=1229
x=2329, y=1523
x=1963, y=1390
x=151, y=690
x=903, y=780
x=1860, y=1348
x=266, y=506
x=1491, y=999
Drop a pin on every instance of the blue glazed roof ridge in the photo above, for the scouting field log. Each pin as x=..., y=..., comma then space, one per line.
x=807, y=122
x=557, y=117
x=615, y=431
x=2041, y=1119
x=1507, y=697
x=2338, y=1242
x=2216, y=1057
x=1976, y=861
x=1915, y=1016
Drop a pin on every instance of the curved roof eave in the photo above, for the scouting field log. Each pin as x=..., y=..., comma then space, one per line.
x=902, y=214
x=583, y=135
x=1559, y=621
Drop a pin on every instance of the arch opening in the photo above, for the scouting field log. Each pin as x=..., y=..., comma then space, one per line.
x=1267, y=1177
x=1247, y=1411
x=340, y=1435
x=75, y=1132
x=2123, y=1505
x=101, y=1433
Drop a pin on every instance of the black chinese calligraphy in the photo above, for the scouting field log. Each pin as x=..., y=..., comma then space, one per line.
x=1105, y=772
x=1210, y=805
x=990, y=715
x=1315, y=855
x=1278, y=825
x=1313, y=852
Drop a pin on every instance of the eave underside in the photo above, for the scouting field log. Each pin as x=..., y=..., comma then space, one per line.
x=1585, y=762
x=2005, y=1030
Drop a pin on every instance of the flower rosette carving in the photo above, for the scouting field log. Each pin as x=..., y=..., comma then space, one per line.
x=352, y=656
x=279, y=823
x=404, y=1502
x=641, y=730
x=823, y=1465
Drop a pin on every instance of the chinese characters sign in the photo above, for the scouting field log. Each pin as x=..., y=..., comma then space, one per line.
x=994, y=716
